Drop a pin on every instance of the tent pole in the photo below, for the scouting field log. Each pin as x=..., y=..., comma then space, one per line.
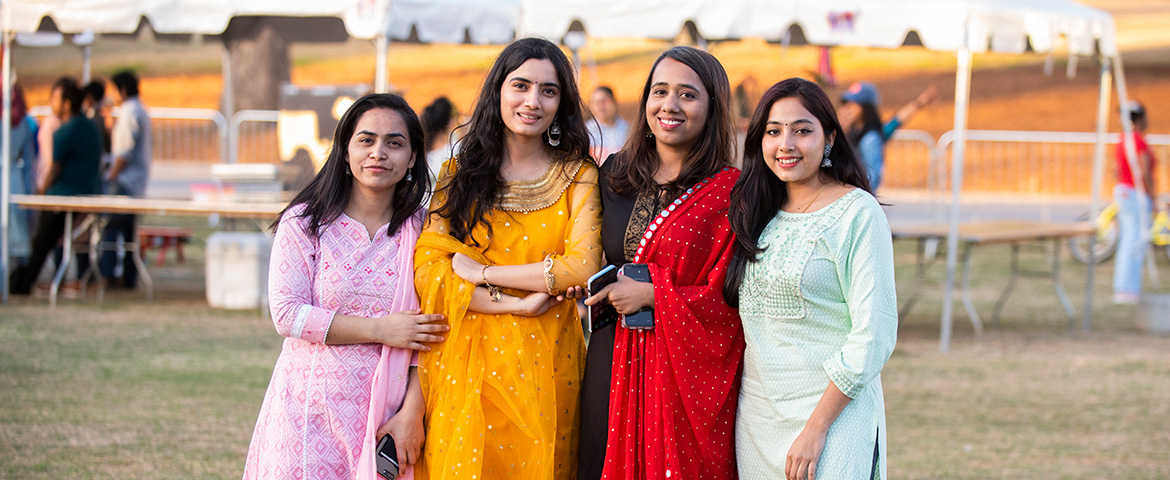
x=962, y=97
x=228, y=100
x=1098, y=174
x=86, y=64
x=381, y=82
x=6, y=158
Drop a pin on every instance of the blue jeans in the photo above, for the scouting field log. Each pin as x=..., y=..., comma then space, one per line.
x=1131, y=239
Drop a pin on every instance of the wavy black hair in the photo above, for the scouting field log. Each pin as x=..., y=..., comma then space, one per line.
x=326, y=196
x=635, y=164
x=477, y=185
x=759, y=194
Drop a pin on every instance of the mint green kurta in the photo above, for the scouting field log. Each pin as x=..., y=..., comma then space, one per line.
x=819, y=306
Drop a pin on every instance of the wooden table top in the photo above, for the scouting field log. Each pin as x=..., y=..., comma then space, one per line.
x=1004, y=231
x=147, y=206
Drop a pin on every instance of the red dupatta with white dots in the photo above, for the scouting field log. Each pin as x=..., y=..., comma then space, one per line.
x=675, y=387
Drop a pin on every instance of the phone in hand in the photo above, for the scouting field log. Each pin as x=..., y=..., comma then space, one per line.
x=601, y=314
x=387, y=460
x=644, y=317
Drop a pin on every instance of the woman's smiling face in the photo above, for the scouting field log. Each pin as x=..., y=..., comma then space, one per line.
x=676, y=109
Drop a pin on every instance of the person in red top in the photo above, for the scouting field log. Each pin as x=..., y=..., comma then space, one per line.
x=1133, y=205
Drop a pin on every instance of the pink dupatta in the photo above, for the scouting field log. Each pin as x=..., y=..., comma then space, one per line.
x=393, y=373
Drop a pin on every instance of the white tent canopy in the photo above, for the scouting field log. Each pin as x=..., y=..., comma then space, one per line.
x=963, y=26
x=485, y=21
x=447, y=21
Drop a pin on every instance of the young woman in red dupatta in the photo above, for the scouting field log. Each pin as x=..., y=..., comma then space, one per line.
x=671, y=406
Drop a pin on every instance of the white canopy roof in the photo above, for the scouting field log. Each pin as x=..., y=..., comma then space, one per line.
x=997, y=25
x=485, y=21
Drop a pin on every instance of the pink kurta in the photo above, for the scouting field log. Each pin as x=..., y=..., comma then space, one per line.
x=316, y=419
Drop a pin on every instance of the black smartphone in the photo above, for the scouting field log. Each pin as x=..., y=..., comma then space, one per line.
x=643, y=318
x=387, y=462
x=601, y=314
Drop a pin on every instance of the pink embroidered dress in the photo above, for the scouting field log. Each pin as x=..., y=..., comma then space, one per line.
x=318, y=420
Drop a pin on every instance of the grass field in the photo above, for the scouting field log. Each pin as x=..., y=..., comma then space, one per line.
x=172, y=389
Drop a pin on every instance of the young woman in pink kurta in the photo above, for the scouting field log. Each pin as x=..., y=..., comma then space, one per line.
x=342, y=292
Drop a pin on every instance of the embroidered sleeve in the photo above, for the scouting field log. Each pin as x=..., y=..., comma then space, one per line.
x=582, y=256
x=866, y=268
x=291, y=271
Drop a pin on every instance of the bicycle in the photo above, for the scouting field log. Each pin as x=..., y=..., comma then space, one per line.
x=1108, y=230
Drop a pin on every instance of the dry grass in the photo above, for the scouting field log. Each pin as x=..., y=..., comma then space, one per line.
x=171, y=389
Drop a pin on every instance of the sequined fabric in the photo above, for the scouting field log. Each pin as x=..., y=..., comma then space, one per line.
x=502, y=391
x=675, y=387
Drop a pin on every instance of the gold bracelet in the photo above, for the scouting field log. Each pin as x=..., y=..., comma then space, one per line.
x=493, y=291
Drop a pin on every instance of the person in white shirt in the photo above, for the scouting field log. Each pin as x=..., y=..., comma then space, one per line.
x=608, y=130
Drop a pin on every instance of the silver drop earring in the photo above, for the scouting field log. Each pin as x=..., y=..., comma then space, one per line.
x=554, y=134
x=825, y=161
x=409, y=177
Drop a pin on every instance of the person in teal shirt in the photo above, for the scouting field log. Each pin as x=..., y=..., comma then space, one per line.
x=76, y=170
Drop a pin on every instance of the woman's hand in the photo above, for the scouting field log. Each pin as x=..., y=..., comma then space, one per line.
x=802, y=458
x=626, y=295
x=534, y=304
x=406, y=428
x=409, y=329
x=467, y=269
x=572, y=293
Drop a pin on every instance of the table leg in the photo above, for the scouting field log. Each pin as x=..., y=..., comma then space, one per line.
x=1011, y=285
x=147, y=282
x=968, y=304
x=1059, y=287
x=920, y=272
x=65, y=258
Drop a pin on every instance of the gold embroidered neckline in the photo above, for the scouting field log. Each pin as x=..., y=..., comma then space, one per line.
x=530, y=195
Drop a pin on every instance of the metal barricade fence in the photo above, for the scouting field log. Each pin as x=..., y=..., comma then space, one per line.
x=1038, y=163
x=253, y=137
x=908, y=160
x=193, y=135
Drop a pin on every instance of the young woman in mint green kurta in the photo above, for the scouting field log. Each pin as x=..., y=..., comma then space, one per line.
x=814, y=279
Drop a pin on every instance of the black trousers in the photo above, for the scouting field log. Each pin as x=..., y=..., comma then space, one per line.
x=50, y=229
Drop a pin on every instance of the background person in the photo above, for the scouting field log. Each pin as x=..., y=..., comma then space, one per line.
x=341, y=292
x=1132, y=240
x=130, y=147
x=670, y=399
x=864, y=128
x=77, y=151
x=607, y=130
x=813, y=277
x=513, y=226
x=22, y=153
x=438, y=121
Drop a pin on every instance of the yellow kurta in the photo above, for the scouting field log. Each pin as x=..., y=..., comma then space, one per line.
x=502, y=391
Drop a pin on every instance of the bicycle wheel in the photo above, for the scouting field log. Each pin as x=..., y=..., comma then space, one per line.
x=1104, y=248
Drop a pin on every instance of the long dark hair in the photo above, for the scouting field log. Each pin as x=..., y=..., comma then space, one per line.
x=326, y=196
x=634, y=166
x=759, y=194
x=477, y=185
x=870, y=120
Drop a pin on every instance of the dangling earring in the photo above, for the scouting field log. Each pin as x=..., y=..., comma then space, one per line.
x=649, y=134
x=348, y=171
x=554, y=134
x=409, y=177
x=826, y=162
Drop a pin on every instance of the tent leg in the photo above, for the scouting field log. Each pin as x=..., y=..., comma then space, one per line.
x=962, y=97
x=381, y=80
x=5, y=159
x=1098, y=173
